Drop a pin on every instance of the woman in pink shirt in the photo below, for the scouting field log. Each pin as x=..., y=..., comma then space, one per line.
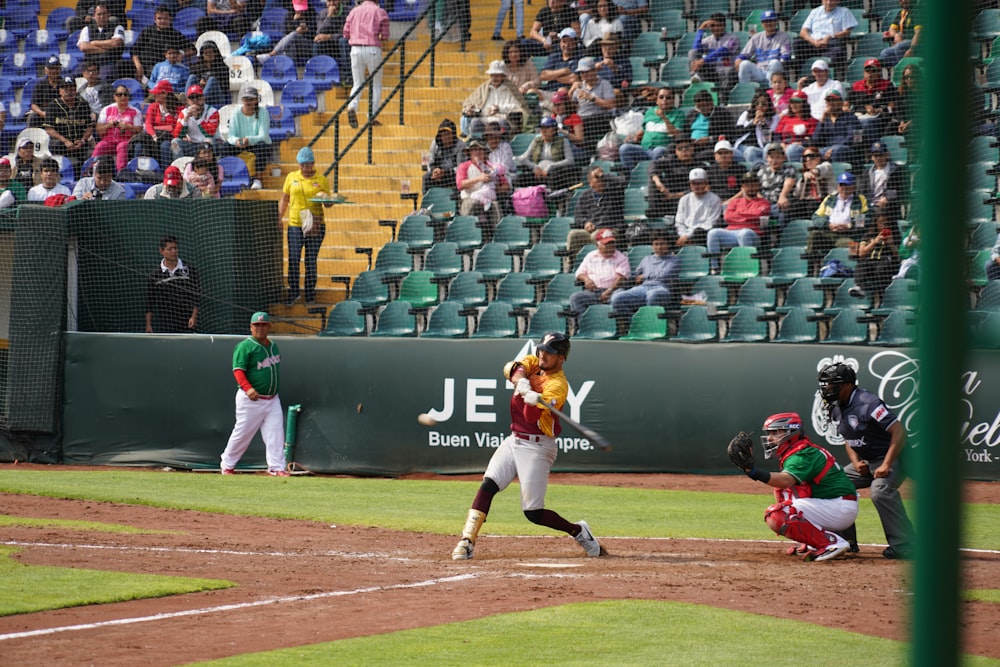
x=116, y=125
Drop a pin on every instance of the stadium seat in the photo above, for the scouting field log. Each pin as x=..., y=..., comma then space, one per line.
x=468, y=289
x=416, y=234
x=438, y=202
x=596, y=323
x=497, y=321
x=370, y=290
x=516, y=290
x=512, y=231
x=278, y=71
x=493, y=262
x=67, y=175
x=542, y=262
x=241, y=71
x=695, y=327
x=235, y=176
x=646, y=324
x=560, y=288
x=547, y=317
x=787, y=265
x=465, y=233
x=447, y=321
x=897, y=330
x=55, y=22
x=846, y=330
x=419, y=289
x=636, y=254
x=443, y=260
x=738, y=264
x=746, y=327
x=272, y=23
x=282, y=124
x=396, y=320
x=393, y=261
x=346, y=319
x=322, y=72
x=185, y=21
x=144, y=164
x=756, y=292
x=556, y=230
x=299, y=98
x=803, y=293
x=796, y=327
x=39, y=45
x=20, y=71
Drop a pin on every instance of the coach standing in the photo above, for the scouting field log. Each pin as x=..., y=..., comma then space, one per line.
x=366, y=27
x=256, y=362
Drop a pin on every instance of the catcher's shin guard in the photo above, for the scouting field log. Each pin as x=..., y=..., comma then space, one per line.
x=784, y=520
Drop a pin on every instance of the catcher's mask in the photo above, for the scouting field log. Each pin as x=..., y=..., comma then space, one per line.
x=832, y=377
x=787, y=423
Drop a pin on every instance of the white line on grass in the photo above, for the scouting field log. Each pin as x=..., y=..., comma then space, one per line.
x=226, y=552
x=234, y=607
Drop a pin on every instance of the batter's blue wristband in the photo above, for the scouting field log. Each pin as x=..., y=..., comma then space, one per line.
x=759, y=475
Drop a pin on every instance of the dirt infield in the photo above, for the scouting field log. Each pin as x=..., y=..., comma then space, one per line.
x=305, y=582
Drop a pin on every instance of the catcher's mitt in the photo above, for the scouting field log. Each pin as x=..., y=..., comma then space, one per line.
x=740, y=451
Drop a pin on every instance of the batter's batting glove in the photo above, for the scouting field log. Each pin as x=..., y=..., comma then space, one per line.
x=522, y=387
x=532, y=398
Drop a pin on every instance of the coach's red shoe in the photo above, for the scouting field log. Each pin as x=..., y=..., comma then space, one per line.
x=278, y=473
x=228, y=471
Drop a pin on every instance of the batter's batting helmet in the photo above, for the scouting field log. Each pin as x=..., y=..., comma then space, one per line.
x=554, y=343
x=787, y=422
x=832, y=377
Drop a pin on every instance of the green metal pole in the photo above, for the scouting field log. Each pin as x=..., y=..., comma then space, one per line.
x=941, y=213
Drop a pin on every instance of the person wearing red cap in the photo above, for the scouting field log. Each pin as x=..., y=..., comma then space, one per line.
x=116, y=125
x=197, y=124
x=172, y=187
x=601, y=271
x=871, y=99
x=159, y=123
x=12, y=193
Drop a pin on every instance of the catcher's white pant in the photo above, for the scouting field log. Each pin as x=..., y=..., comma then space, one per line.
x=827, y=513
x=529, y=458
x=251, y=416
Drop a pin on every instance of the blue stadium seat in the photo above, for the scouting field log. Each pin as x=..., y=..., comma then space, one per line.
x=282, y=124
x=299, y=98
x=322, y=72
x=272, y=22
x=278, y=71
x=235, y=175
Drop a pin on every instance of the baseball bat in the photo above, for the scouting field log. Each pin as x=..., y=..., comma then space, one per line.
x=590, y=433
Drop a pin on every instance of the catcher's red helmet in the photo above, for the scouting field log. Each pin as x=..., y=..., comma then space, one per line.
x=789, y=423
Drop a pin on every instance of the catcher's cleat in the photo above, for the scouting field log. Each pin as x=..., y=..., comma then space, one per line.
x=798, y=549
x=587, y=540
x=463, y=550
x=836, y=548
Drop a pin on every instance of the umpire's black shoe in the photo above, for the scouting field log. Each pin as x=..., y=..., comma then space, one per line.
x=896, y=554
x=854, y=547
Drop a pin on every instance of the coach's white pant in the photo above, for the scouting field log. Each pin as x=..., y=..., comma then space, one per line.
x=251, y=416
x=364, y=60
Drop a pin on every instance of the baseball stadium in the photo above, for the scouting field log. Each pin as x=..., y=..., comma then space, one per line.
x=631, y=332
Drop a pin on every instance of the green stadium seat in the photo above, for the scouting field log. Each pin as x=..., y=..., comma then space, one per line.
x=795, y=327
x=446, y=321
x=548, y=317
x=846, y=330
x=695, y=327
x=396, y=320
x=493, y=262
x=596, y=324
x=516, y=290
x=646, y=324
x=419, y=290
x=739, y=264
x=346, y=319
x=468, y=289
x=497, y=321
x=746, y=327
x=898, y=330
x=560, y=288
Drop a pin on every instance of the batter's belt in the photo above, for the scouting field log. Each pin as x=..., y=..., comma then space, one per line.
x=530, y=437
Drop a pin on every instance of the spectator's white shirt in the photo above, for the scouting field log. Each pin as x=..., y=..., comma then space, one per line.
x=40, y=193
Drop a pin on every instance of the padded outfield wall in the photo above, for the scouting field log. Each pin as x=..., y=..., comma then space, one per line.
x=168, y=400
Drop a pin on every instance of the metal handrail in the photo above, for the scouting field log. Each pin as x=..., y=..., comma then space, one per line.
x=400, y=88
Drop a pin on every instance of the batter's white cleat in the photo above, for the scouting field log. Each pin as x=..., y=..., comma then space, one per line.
x=463, y=550
x=587, y=540
x=836, y=548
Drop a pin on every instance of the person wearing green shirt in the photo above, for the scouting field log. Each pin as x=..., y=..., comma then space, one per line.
x=660, y=124
x=12, y=193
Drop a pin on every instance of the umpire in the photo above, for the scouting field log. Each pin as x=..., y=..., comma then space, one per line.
x=874, y=439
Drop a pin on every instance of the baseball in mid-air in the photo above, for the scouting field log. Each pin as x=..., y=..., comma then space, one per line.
x=426, y=419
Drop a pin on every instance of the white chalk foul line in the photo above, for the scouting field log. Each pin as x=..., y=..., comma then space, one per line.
x=234, y=607
x=224, y=552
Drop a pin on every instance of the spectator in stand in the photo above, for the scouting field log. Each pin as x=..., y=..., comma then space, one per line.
x=174, y=6
x=698, y=211
x=46, y=90
x=197, y=124
x=601, y=206
x=211, y=73
x=329, y=39
x=708, y=123
x=654, y=278
x=668, y=178
x=521, y=72
x=993, y=264
x=746, y=216
x=765, y=52
x=839, y=133
x=153, y=42
x=172, y=294
x=825, y=33
x=711, y=57
x=478, y=182
x=117, y=124
x=213, y=169
x=505, y=6
x=446, y=153
x=306, y=228
x=878, y=258
x=821, y=85
x=839, y=220
x=601, y=271
x=550, y=158
x=85, y=10
x=300, y=27
x=611, y=65
x=780, y=93
x=816, y=182
x=172, y=69
x=570, y=124
x=550, y=22
x=495, y=99
x=904, y=32
x=500, y=153
x=560, y=69
x=27, y=169
x=228, y=16
x=777, y=179
x=725, y=173
x=870, y=99
x=660, y=124
x=598, y=26
x=12, y=193
x=96, y=92
x=756, y=127
x=102, y=184
x=366, y=28
x=595, y=100
x=103, y=42
x=249, y=131
x=49, y=185
x=158, y=124
x=797, y=127
x=631, y=13
x=885, y=184
x=907, y=105
x=69, y=125
x=172, y=187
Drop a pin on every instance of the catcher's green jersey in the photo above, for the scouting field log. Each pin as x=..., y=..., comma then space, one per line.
x=261, y=363
x=805, y=464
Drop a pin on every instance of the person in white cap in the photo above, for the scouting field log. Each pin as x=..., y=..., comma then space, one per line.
x=493, y=100
x=595, y=99
x=698, y=211
x=551, y=20
x=724, y=174
x=817, y=90
x=27, y=167
x=560, y=69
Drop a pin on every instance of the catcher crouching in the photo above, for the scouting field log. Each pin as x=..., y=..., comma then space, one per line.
x=814, y=495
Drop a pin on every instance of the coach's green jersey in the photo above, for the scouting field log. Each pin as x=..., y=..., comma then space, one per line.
x=261, y=363
x=805, y=464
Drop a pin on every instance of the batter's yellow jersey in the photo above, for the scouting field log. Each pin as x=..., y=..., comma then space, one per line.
x=553, y=388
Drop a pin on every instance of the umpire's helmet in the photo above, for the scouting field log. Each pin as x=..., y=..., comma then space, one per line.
x=789, y=423
x=554, y=343
x=832, y=377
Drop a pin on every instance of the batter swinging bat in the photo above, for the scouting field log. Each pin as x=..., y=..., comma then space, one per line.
x=591, y=434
